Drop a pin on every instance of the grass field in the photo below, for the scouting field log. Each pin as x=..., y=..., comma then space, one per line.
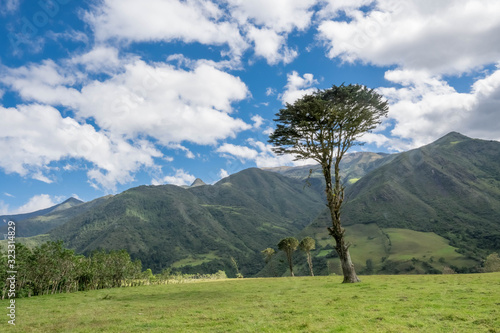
x=402, y=303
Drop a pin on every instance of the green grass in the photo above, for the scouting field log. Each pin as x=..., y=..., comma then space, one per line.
x=407, y=244
x=398, y=245
x=353, y=180
x=403, y=303
x=195, y=260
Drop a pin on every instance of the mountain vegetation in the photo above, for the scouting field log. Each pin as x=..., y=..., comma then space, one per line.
x=414, y=212
x=450, y=187
x=39, y=222
x=419, y=211
x=196, y=229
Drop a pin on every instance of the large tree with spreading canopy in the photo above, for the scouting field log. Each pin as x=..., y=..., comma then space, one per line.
x=323, y=126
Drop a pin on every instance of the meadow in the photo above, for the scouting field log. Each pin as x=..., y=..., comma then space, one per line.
x=380, y=303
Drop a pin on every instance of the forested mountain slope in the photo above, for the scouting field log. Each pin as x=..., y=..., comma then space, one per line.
x=200, y=226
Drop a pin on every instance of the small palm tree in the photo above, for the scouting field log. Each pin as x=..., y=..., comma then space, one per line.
x=268, y=255
x=289, y=245
x=306, y=245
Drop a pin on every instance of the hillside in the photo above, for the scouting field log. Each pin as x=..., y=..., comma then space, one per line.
x=27, y=225
x=353, y=167
x=417, y=211
x=447, y=193
x=450, y=187
x=200, y=226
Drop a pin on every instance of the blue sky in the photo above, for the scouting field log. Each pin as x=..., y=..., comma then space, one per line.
x=100, y=96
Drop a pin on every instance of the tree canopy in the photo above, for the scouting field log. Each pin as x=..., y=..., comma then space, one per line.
x=307, y=245
x=289, y=245
x=323, y=126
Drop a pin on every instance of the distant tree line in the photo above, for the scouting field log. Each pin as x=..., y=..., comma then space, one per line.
x=50, y=269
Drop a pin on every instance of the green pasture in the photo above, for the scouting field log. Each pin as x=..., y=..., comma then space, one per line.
x=380, y=303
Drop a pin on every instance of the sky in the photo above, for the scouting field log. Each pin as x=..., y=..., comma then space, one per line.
x=98, y=96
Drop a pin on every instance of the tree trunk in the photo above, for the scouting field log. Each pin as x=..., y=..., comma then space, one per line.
x=290, y=264
x=335, y=197
x=309, y=261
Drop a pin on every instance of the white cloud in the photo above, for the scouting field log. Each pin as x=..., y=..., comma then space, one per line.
x=170, y=104
x=180, y=178
x=278, y=15
x=270, y=91
x=268, y=131
x=99, y=59
x=297, y=87
x=333, y=8
x=37, y=202
x=452, y=37
x=137, y=101
x=426, y=107
x=164, y=20
x=261, y=154
x=34, y=136
x=223, y=173
x=189, y=153
x=241, y=152
x=257, y=121
x=271, y=46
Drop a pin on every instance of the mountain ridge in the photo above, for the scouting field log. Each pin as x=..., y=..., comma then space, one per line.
x=450, y=187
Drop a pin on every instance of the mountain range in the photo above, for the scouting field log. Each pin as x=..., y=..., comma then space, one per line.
x=416, y=211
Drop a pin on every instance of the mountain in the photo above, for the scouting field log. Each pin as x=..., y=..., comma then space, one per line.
x=450, y=187
x=198, y=182
x=412, y=212
x=353, y=167
x=197, y=228
x=447, y=192
x=22, y=219
x=42, y=224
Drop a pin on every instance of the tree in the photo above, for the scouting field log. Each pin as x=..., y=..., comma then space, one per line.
x=268, y=255
x=323, y=126
x=492, y=263
x=235, y=264
x=289, y=245
x=306, y=245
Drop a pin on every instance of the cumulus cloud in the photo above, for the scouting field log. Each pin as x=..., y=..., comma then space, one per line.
x=271, y=46
x=259, y=153
x=241, y=152
x=257, y=121
x=450, y=37
x=223, y=173
x=160, y=100
x=278, y=15
x=35, y=203
x=34, y=136
x=159, y=20
x=179, y=178
x=268, y=23
x=99, y=59
x=135, y=107
x=426, y=107
x=297, y=87
x=234, y=23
